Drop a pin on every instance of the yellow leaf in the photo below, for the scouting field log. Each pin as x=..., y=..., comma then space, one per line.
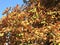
x=43, y=22
x=32, y=10
x=1, y=34
x=37, y=15
x=53, y=16
x=59, y=44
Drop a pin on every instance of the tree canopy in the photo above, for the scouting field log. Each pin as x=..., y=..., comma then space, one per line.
x=35, y=23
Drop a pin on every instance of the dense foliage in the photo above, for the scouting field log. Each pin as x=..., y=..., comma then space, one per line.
x=33, y=24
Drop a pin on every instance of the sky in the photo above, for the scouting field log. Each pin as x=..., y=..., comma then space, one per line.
x=8, y=3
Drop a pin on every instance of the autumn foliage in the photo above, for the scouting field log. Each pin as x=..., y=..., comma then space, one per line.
x=33, y=24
